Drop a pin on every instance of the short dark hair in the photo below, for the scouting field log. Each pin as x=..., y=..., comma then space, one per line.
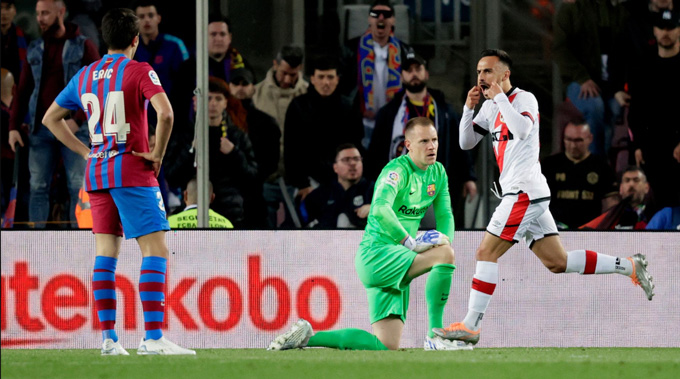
x=291, y=54
x=324, y=63
x=386, y=3
x=120, y=26
x=417, y=121
x=345, y=146
x=145, y=3
x=502, y=55
x=217, y=17
x=216, y=84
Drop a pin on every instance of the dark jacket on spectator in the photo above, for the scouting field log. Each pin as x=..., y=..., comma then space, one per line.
x=14, y=51
x=232, y=175
x=458, y=163
x=40, y=83
x=323, y=205
x=265, y=136
x=314, y=128
x=579, y=34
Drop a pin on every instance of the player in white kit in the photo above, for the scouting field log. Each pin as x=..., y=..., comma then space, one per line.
x=511, y=116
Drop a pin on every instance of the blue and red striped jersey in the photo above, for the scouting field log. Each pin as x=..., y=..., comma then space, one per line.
x=114, y=92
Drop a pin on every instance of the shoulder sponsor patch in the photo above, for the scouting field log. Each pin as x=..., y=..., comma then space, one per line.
x=154, y=78
x=392, y=178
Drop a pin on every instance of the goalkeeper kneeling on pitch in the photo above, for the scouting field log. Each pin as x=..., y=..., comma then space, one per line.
x=389, y=258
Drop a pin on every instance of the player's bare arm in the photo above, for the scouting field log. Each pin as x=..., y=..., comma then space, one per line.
x=55, y=121
x=161, y=104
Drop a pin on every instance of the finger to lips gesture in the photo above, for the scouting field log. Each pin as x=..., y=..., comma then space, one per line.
x=494, y=89
x=473, y=97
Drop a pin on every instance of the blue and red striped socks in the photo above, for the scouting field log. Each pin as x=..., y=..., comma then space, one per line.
x=152, y=293
x=104, y=288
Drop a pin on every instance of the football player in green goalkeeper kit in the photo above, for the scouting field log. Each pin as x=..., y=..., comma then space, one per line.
x=389, y=257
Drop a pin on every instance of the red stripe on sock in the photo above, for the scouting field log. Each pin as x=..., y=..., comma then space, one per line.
x=105, y=304
x=591, y=262
x=153, y=325
x=151, y=272
x=108, y=325
x=151, y=286
x=153, y=306
x=483, y=287
x=101, y=270
x=103, y=285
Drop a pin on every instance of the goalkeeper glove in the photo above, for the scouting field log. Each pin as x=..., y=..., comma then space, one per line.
x=429, y=239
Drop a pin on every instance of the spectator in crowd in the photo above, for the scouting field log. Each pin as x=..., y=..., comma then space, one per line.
x=64, y=51
x=164, y=52
x=13, y=41
x=653, y=119
x=342, y=203
x=666, y=219
x=224, y=58
x=263, y=131
x=316, y=123
x=281, y=85
x=585, y=35
x=419, y=100
x=636, y=208
x=582, y=185
x=639, y=39
x=7, y=86
x=188, y=219
x=373, y=64
x=231, y=158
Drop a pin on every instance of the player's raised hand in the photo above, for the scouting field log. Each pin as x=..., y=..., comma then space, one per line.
x=493, y=90
x=473, y=97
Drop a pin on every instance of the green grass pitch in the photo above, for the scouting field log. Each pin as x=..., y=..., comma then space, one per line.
x=327, y=363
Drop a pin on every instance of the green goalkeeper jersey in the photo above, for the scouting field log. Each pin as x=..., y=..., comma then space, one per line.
x=402, y=194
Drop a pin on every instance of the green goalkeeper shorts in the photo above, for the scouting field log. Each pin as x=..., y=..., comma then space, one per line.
x=382, y=269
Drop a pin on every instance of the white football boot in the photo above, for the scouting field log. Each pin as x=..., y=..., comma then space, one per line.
x=296, y=337
x=113, y=348
x=161, y=346
x=439, y=343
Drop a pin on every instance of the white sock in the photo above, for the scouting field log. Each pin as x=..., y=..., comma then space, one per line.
x=589, y=262
x=483, y=284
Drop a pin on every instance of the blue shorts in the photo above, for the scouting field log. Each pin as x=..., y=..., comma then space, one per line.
x=137, y=211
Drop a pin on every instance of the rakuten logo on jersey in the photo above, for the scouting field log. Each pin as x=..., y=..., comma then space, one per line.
x=413, y=211
x=66, y=302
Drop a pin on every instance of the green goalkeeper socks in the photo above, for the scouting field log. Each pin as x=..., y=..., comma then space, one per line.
x=346, y=339
x=437, y=290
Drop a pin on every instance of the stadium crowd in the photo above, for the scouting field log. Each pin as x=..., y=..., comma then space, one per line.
x=291, y=151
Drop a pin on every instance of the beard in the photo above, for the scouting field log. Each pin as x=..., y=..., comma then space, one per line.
x=415, y=88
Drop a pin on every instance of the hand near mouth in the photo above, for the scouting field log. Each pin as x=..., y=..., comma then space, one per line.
x=473, y=97
x=493, y=90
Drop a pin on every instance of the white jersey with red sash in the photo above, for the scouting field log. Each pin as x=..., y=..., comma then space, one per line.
x=517, y=158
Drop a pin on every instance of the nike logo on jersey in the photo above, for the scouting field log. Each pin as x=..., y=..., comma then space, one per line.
x=412, y=192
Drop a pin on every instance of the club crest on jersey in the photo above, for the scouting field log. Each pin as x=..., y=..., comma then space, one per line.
x=154, y=78
x=358, y=201
x=392, y=178
x=431, y=189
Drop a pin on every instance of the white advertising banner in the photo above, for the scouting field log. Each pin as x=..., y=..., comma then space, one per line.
x=239, y=289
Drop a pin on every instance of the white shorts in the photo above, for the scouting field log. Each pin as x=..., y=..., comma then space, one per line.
x=517, y=216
